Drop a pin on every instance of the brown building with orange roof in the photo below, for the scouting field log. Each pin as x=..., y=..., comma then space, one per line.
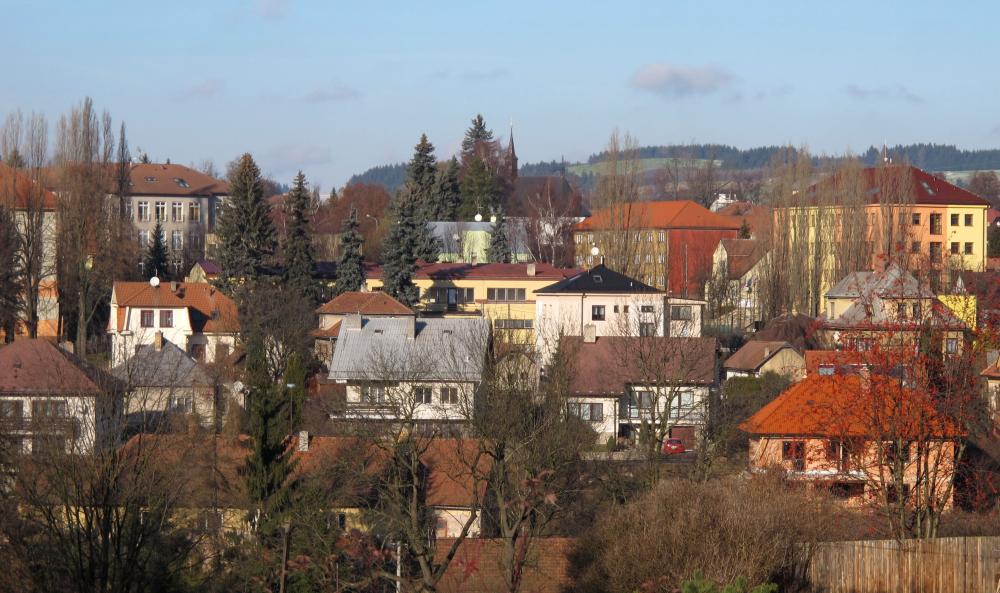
x=673, y=242
x=366, y=304
x=196, y=317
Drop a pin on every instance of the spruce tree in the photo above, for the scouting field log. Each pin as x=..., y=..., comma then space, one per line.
x=350, y=265
x=155, y=262
x=480, y=190
x=426, y=246
x=420, y=179
x=744, y=232
x=298, y=249
x=399, y=255
x=477, y=138
x=245, y=232
x=10, y=273
x=269, y=466
x=448, y=192
x=499, y=251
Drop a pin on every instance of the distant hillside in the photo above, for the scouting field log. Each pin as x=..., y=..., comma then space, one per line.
x=391, y=177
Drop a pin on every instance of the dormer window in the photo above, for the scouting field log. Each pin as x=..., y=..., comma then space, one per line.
x=149, y=179
x=180, y=182
x=598, y=279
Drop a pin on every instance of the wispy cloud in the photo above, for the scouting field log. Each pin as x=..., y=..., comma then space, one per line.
x=202, y=90
x=673, y=81
x=272, y=9
x=337, y=93
x=895, y=92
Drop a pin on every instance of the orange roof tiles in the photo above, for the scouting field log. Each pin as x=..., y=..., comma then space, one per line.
x=154, y=179
x=211, y=311
x=679, y=214
x=918, y=185
x=477, y=566
x=17, y=190
x=365, y=303
x=39, y=366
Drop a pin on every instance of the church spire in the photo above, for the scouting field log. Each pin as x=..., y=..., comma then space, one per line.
x=511, y=155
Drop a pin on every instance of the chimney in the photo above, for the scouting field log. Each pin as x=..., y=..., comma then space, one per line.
x=351, y=321
x=158, y=341
x=411, y=327
x=531, y=269
x=173, y=286
x=304, y=441
x=589, y=333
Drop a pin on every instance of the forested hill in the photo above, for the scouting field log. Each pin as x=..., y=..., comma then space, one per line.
x=389, y=176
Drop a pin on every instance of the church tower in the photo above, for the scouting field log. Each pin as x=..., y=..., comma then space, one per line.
x=511, y=157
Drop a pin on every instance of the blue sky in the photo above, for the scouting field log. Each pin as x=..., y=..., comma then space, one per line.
x=335, y=87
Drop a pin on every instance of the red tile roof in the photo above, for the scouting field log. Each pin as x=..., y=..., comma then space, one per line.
x=211, y=311
x=918, y=185
x=331, y=332
x=600, y=367
x=18, y=190
x=477, y=566
x=40, y=367
x=743, y=255
x=466, y=271
x=679, y=214
x=365, y=303
x=992, y=372
x=154, y=179
x=753, y=354
x=849, y=406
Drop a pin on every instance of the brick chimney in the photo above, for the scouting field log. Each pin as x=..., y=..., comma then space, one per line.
x=531, y=269
x=158, y=341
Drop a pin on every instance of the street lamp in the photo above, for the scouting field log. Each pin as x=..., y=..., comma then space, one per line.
x=373, y=218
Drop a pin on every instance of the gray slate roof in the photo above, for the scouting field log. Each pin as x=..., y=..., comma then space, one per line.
x=168, y=367
x=441, y=350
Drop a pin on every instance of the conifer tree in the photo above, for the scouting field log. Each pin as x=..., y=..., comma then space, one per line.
x=298, y=249
x=499, y=250
x=400, y=256
x=426, y=246
x=350, y=265
x=269, y=466
x=477, y=138
x=420, y=179
x=744, y=232
x=448, y=192
x=155, y=262
x=246, y=234
x=10, y=273
x=480, y=190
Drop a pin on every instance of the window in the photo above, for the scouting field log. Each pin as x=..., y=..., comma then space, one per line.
x=649, y=258
x=177, y=212
x=10, y=410
x=514, y=323
x=49, y=408
x=639, y=401
x=647, y=330
x=968, y=249
x=900, y=311
x=915, y=247
x=954, y=248
x=680, y=312
x=146, y=318
x=423, y=395
x=968, y=220
x=649, y=237
x=663, y=236
x=954, y=220
x=795, y=452
x=449, y=395
x=149, y=179
x=591, y=412
x=935, y=224
x=826, y=369
x=597, y=313
x=916, y=310
x=661, y=258
x=181, y=182
x=935, y=251
x=143, y=238
x=166, y=318
x=646, y=309
x=161, y=211
x=578, y=238
x=143, y=212
x=177, y=240
x=194, y=212
x=951, y=345
x=194, y=239
x=506, y=294
x=198, y=352
x=373, y=394
x=894, y=453
x=625, y=309
x=915, y=219
x=180, y=404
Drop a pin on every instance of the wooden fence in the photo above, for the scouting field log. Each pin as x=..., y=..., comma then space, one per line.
x=945, y=565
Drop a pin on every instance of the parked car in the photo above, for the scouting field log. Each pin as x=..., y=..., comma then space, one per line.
x=672, y=446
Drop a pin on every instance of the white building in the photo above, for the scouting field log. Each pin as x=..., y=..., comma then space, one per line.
x=196, y=317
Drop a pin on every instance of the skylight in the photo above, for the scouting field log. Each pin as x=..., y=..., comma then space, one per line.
x=598, y=279
x=150, y=178
x=927, y=187
x=181, y=182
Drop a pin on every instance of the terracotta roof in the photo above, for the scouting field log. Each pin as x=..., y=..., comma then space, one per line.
x=759, y=218
x=992, y=372
x=679, y=214
x=920, y=187
x=211, y=311
x=849, y=406
x=742, y=255
x=477, y=566
x=364, y=303
x=39, y=366
x=753, y=354
x=606, y=366
x=16, y=189
x=331, y=332
x=155, y=179
x=492, y=271
x=598, y=279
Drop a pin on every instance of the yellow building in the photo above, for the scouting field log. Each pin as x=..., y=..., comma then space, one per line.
x=504, y=293
x=847, y=222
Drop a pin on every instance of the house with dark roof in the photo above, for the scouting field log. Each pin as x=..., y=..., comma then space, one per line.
x=757, y=357
x=622, y=385
x=163, y=380
x=367, y=304
x=194, y=316
x=51, y=400
x=734, y=288
x=835, y=433
x=603, y=302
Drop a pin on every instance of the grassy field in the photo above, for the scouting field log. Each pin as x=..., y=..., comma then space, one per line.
x=644, y=165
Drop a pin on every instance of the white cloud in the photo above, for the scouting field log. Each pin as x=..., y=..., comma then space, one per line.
x=673, y=81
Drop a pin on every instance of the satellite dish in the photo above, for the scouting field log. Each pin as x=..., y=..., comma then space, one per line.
x=154, y=281
x=479, y=217
x=493, y=219
x=595, y=251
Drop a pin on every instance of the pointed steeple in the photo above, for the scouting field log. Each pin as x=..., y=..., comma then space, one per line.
x=511, y=155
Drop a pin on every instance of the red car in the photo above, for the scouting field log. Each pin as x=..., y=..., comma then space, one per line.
x=672, y=446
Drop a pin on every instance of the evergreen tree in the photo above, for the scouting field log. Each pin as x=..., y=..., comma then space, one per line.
x=156, y=262
x=477, y=138
x=425, y=245
x=399, y=256
x=298, y=249
x=480, y=190
x=420, y=179
x=744, y=232
x=448, y=192
x=246, y=234
x=499, y=251
x=269, y=466
x=10, y=274
x=350, y=265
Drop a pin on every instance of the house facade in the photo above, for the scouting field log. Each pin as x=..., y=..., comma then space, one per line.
x=195, y=317
x=51, y=401
x=757, y=357
x=734, y=288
